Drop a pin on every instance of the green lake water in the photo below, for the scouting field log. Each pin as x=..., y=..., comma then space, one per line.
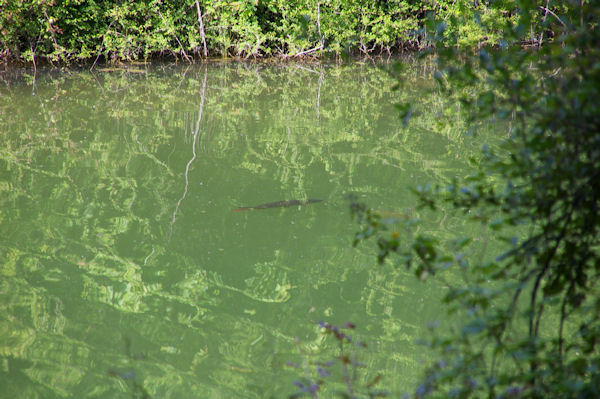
x=124, y=269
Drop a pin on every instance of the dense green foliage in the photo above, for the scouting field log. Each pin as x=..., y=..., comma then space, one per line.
x=78, y=30
x=530, y=314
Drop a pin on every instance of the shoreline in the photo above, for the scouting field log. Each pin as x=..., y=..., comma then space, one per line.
x=125, y=65
x=43, y=62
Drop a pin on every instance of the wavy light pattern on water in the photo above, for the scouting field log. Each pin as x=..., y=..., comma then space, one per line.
x=123, y=268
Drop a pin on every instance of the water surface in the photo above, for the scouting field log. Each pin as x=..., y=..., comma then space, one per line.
x=123, y=268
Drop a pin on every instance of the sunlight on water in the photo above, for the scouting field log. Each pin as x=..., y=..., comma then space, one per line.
x=124, y=268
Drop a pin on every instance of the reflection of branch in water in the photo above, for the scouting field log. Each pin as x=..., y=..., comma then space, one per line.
x=194, y=140
x=321, y=78
x=182, y=78
x=319, y=95
x=288, y=139
x=306, y=69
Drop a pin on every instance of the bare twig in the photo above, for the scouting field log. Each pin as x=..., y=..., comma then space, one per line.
x=101, y=46
x=549, y=11
x=52, y=30
x=34, y=63
x=202, y=33
x=319, y=47
x=544, y=20
x=185, y=56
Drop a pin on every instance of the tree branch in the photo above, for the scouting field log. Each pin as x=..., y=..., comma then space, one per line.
x=202, y=33
x=549, y=11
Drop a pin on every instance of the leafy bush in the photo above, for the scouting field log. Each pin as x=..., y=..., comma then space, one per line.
x=74, y=30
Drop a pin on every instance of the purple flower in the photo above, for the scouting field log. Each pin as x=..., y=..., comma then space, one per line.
x=322, y=324
x=303, y=388
x=422, y=390
x=513, y=391
x=323, y=372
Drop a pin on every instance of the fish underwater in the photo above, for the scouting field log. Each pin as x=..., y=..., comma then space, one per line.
x=279, y=204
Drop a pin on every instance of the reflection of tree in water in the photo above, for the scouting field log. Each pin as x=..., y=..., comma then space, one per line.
x=101, y=235
x=194, y=141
